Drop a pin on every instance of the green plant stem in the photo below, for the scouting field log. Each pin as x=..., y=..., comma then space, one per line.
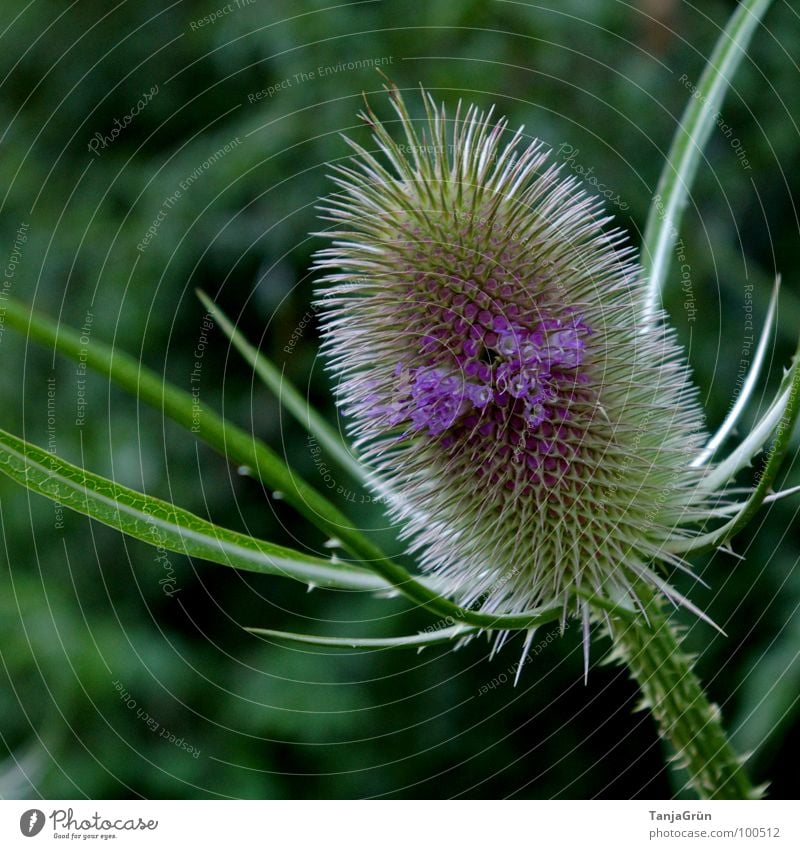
x=653, y=653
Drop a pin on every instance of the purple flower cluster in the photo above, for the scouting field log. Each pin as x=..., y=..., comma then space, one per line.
x=500, y=364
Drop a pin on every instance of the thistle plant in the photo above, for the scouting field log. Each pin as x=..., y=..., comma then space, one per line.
x=514, y=392
x=505, y=378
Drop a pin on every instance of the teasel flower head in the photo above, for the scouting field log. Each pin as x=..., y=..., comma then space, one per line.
x=499, y=369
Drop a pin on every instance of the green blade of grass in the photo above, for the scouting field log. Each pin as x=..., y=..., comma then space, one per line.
x=747, y=387
x=757, y=437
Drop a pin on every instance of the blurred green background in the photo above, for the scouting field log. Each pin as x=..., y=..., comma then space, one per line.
x=92, y=623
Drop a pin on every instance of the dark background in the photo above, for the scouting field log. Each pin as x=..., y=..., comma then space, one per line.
x=82, y=608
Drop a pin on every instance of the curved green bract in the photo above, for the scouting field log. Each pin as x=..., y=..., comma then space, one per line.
x=164, y=525
x=789, y=410
x=698, y=120
x=625, y=613
x=755, y=440
x=729, y=423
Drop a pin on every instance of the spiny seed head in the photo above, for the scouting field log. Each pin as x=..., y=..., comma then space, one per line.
x=498, y=367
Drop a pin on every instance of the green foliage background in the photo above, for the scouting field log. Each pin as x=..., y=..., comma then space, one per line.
x=85, y=613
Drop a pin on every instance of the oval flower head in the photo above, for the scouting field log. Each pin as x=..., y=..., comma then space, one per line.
x=500, y=369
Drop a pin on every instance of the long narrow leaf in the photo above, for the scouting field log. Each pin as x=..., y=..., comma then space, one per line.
x=697, y=122
x=414, y=641
x=232, y=442
x=164, y=525
x=275, y=380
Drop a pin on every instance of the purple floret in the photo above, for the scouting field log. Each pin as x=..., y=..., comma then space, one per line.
x=501, y=366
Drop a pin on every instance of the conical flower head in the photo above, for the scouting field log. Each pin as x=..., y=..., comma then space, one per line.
x=499, y=369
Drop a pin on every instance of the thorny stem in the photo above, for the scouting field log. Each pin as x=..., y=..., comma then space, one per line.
x=653, y=653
